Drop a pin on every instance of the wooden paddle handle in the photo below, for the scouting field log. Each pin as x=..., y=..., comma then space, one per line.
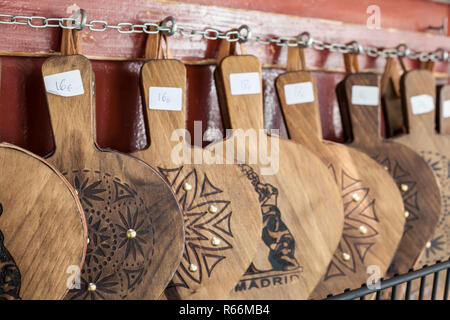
x=163, y=84
x=72, y=118
x=391, y=98
x=244, y=111
x=302, y=118
x=416, y=86
x=444, y=109
x=168, y=77
x=364, y=118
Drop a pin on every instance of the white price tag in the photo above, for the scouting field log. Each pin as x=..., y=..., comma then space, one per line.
x=446, y=109
x=301, y=92
x=422, y=104
x=245, y=83
x=365, y=95
x=165, y=98
x=65, y=84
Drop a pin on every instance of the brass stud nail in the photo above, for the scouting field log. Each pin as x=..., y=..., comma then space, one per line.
x=89, y=241
x=212, y=209
x=187, y=186
x=356, y=197
x=406, y=214
x=428, y=245
x=215, y=242
x=363, y=229
x=404, y=187
x=76, y=191
x=92, y=287
x=346, y=256
x=192, y=267
x=386, y=168
x=131, y=234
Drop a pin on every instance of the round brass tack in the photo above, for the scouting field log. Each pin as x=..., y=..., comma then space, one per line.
x=428, y=245
x=215, y=241
x=187, y=186
x=212, y=209
x=406, y=214
x=356, y=197
x=404, y=187
x=192, y=267
x=92, y=287
x=131, y=234
x=363, y=229
x=346, y=256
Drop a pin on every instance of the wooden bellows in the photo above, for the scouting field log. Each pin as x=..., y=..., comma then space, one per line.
x=221, y=210
x=411, y=173
x=300, y=204
x=136, y=232
x=372, y=203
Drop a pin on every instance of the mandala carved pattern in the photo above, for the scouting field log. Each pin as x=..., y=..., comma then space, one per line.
x=439, y=245
x=275, y=234
x=10, y=279
x=121, y=236
x=360, y=226
x=410, y=197
x=208, y=233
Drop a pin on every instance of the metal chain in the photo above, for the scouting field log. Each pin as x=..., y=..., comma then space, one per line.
x=242, y=34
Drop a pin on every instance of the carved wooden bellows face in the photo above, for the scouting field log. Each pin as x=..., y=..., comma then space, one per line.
x=43, y=234
x=221, y=210
x=9, y=272
x=372, y=204
x=136, y=232
x=414, y=178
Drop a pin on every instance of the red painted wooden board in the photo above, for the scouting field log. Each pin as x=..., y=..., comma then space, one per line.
x=24, y=116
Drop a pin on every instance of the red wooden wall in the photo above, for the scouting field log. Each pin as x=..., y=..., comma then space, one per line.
x=23, y=114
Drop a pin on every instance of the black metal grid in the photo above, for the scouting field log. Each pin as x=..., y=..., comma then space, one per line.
x=389, y=287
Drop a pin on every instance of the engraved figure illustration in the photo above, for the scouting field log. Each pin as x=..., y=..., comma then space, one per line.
x=275, y=235
x=437, y=248
x=10, y=278
x=359, y=226
x=120, y=246
x=208, y=224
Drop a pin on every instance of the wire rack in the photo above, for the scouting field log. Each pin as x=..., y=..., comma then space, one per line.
x=410, y=286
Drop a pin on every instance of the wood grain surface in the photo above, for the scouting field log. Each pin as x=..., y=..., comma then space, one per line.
x=442, y=116
x=135, y=224
x=43, y=234
x=434, y=148
x=414, y=178
x=391, y=99
x=221, y=210
x=423, y=138
x=301, y=206
x=374, y=219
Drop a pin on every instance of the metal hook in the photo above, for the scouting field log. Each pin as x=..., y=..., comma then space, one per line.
x=357, y=48
x=245, y=33
x=402, y=50
x=171, y=24
x=82, y=23
x=441, y=54
x=442, y=28
x=305, y=39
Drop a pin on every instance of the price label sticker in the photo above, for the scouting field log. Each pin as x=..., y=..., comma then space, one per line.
x=422, y=104
x=65, y=84
x=165, y=98
x=446, y=109
x=365, y=95
x=245, y=83
x=301, y=92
